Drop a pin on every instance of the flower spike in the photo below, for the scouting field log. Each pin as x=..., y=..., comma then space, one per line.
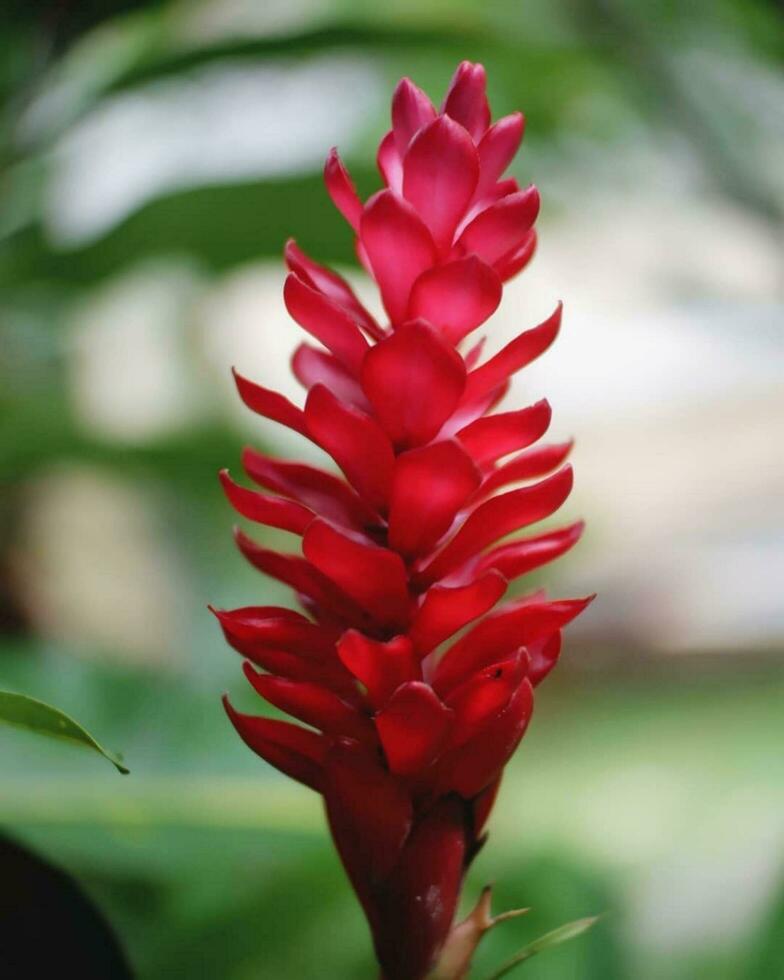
x=409, y=680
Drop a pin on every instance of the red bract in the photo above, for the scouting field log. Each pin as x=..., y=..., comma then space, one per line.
x=409, y=726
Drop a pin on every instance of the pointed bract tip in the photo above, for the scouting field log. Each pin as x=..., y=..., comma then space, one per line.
x=405, y=86
x=251, y=675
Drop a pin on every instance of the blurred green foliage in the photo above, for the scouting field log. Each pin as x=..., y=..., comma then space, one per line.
x=207, y=863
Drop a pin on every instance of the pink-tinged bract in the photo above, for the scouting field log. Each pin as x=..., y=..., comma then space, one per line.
x=409, y=675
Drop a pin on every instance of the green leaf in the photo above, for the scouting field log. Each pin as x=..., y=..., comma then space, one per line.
x=554, y=938
x=35, y=716
x=42, y=908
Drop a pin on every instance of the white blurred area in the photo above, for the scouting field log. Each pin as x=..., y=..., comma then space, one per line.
x=667, y=370
x=98, y=566
x=217, y=124
x=668, y=373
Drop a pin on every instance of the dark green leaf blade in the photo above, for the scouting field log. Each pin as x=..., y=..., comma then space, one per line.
x=36, y=716
x=43, y=909
x=554, y=938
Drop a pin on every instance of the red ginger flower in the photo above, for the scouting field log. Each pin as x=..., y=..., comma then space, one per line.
x=409, y=728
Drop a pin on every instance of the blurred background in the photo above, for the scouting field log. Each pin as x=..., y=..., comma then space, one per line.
x=153, y=159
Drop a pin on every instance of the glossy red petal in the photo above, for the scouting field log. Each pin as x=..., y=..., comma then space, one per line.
x=289, y=646
x=445, y=610
x=516, y=260
x=411, y=110
x=341, y=189
x=414, y=380
x=369, y=814
x=322, y=492
x=468, y=412
x=516, y=355
x=500, y=634
x=503, y=188
x=440, y=171
x=389, y=163
x=466, y=99
x=326, y=321
x=523, y=556
x=502, y=227
x=429, y=487
x=271, y=404
x=293, y=750
x=456, y=297
x=419, y=900
x=472, y=356
x=483, y=696
x=355, y=441
x=497, y=517
x=300, y=575
x=318, y=367
x=543, y=655
x=413, y=726
x=399, y=248
x=493, y=436
x=471, y=768
x=287, y=515
x=529, y=465
x=274, y=627
x=374, y=577
x=312, y=704
x=496, y=150
x=380, y=667
x=330, y=284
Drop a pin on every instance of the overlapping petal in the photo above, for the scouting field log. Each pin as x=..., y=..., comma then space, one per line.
x=312, y=367
x=493, y=436
x=429, y=486
x=466, y=99
x=413, y=726
x=271, y=404
x=381, y=667
x=399, y=248
x=503, y=632
x=497, y=148
x=501, y=228
x=322, y=492
x=440, y=173
x=313, y=704
x=374, y=577
x=355, y=441
x=497, y=517
x=516, y=355
x=456, y=297
x=446, y=610
x=411, y=111
x=524, y=555
x=341, y=189
x=326, y=321
x=414, y=380
x=331, y=285
x=297, y=752
x=287, y=515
